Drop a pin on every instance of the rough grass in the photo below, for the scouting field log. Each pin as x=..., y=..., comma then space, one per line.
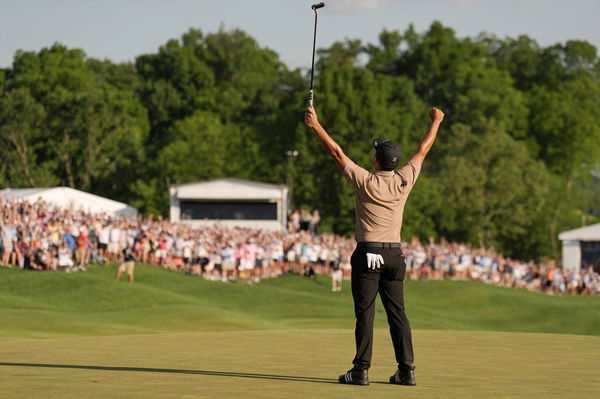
x=40, y=304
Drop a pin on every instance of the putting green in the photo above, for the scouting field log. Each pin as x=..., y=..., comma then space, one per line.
x=297, y=364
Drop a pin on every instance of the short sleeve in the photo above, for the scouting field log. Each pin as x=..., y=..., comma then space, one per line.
x=355, y=174
x=410, y=172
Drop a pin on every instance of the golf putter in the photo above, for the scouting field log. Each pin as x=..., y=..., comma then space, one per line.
x=314, y=7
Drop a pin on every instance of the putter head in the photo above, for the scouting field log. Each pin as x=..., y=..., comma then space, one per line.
x=317, y=6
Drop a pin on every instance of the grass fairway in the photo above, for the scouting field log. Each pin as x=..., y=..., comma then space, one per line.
x=173, y=336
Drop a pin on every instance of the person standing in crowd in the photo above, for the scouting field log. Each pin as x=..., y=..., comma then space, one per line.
x=295, y=221
x=103, y=240
x=69, y=239
x=161, y=251
x=228, y=265
x=114, y=246
x=146, y=248
x=65, y=257
x=305, y=218
x=336, y=276
x=377, y=263
x=129, y=256
x=260, y=265
x=315, y=219
x=248, y=260
x=81, y=253
x=9, y=237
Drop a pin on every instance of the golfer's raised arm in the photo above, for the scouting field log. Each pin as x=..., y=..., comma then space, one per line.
x=330, y=146
x=437, y=116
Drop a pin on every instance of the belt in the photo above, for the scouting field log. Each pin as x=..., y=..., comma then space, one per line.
x=379, y=245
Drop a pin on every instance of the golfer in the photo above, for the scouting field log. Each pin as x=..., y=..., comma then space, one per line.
x=377, y=262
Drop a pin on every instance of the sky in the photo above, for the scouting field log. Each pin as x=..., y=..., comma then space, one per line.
x=120, y=30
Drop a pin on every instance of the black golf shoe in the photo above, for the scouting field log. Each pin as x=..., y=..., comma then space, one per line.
x=355, y=377
x=403, y=378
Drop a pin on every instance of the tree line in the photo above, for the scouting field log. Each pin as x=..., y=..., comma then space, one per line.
x=516, y=162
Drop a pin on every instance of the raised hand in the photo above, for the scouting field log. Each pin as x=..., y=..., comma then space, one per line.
x=436, y=114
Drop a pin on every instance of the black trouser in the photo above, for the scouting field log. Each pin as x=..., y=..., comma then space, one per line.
x=388, y=280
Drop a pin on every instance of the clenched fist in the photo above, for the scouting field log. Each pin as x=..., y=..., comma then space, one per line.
x=436, y=114
x=310, y=118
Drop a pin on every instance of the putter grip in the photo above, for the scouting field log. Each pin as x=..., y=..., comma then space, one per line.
x=310, y=98
x=317, y=6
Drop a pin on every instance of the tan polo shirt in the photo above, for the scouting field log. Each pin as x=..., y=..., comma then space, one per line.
x=380, y=199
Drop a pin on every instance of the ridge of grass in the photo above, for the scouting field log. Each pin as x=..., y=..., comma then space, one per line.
x=40, y=304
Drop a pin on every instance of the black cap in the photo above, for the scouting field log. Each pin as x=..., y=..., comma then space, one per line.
x=387, y=152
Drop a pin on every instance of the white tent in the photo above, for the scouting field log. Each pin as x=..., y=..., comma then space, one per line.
x=230, y=202
x=67, y=197
x=580, y=246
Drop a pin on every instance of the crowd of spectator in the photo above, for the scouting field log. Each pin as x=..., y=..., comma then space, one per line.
x=41, y=236
x=445, y=260
x=304, y=220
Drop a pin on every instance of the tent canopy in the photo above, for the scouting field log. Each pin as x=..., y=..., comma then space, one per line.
x=223, y=189
x=67, y=197
x=587, y=233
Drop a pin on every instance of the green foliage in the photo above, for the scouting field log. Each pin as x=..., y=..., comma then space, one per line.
x=511, y=169
x=21, y=124
x=71, y=126
x=520, y=57
x=566, y=125
x=204, y=148
x=425, y=209
x=383, y=58
x=497, y=190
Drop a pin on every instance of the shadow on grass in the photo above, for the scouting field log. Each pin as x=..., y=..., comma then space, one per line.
x=178, y=371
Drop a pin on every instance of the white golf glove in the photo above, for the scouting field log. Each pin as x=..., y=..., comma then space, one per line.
x=374, y=261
